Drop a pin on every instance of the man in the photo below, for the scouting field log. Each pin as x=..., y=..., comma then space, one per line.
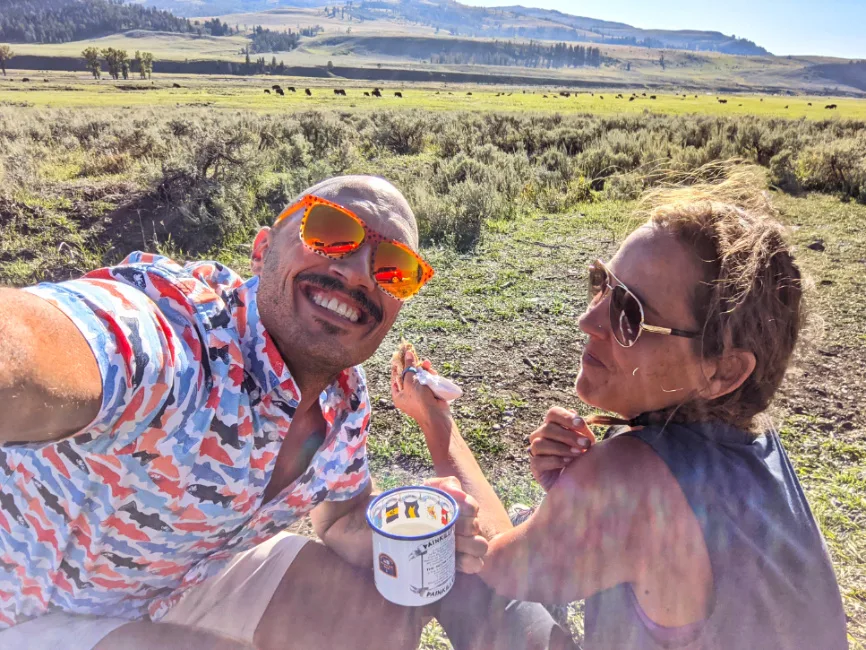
x=164, y=424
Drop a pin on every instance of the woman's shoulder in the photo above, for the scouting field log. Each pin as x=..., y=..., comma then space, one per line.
x=620, y=461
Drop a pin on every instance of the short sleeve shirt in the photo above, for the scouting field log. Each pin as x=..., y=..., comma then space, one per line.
x=166, y=484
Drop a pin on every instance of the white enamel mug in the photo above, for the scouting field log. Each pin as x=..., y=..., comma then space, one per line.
x=414, y=548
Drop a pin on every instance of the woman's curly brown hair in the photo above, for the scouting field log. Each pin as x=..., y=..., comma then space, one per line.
x=751, y=294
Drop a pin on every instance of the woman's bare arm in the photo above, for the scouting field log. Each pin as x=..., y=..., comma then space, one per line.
x=616, y=515
x=452, y=457
x=450, y=454
x=584, y=537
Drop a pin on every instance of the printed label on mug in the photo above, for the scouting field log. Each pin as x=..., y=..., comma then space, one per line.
x=387, y=566
x=413, y=544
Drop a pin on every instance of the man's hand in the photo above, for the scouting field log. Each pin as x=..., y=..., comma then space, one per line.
x=471, y=546
x=555, y=444
x=413, y=399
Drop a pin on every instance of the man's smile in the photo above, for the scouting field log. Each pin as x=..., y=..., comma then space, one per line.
x=335, y=307
x=332, y=301
x=334, y=304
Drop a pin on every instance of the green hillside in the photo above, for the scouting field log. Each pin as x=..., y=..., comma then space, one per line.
x=456, y=19
x=165, y=46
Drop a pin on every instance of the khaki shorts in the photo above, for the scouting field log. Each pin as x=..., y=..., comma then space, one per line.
x=231, y=603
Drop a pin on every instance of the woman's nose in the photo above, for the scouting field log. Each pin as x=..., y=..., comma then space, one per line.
x=594, y=321
x=355, y=269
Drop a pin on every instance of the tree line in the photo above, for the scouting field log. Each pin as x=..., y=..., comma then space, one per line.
x=61, y=21
x=266, y=40
x=527, y=55
x=119, y=63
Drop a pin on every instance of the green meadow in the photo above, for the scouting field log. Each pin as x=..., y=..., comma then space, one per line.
x=77, y=91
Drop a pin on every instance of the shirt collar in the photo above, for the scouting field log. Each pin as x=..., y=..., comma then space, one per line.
x=263, y=362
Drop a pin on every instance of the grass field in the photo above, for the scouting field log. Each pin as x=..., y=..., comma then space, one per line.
x=75, y=90
x=78, y=190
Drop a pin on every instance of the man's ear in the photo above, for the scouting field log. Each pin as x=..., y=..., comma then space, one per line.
x=727, y=373
x=260, y=246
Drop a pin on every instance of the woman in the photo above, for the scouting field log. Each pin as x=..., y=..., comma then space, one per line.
x=686, y=527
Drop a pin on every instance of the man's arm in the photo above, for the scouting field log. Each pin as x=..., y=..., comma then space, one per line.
x=50, y=385
x=342, y=526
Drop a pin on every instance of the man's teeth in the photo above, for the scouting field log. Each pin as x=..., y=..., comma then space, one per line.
x=337, y=307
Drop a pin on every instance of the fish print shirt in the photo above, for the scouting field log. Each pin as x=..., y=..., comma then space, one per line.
x=165, y=486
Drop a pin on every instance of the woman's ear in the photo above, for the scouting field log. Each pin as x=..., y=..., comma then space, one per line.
x=727, y=373
x=260, y=246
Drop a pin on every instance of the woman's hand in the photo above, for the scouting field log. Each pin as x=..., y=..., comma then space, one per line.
x=471, y=546
x=555, y=444
x=410, y=397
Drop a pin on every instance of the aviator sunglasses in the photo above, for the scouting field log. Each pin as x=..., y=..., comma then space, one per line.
x=626, y=309
x=336, y=232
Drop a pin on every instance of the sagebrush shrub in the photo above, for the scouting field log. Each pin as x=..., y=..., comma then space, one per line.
x=835, y=166
x=206, y=177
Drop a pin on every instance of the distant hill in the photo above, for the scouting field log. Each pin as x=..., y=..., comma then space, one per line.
x=61, y=21
x=622, y=34
x=511, y=22
x=190, y=8
x=849, y=73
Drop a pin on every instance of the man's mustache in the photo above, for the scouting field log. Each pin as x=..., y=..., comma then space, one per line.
x=329, y=283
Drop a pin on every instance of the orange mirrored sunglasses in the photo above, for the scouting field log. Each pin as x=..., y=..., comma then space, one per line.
x=335, y=232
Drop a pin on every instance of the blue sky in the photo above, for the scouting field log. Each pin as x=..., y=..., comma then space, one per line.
x=827, y=27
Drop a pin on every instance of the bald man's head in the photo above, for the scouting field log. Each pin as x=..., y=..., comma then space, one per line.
x=327, y=314
x=376, y=201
